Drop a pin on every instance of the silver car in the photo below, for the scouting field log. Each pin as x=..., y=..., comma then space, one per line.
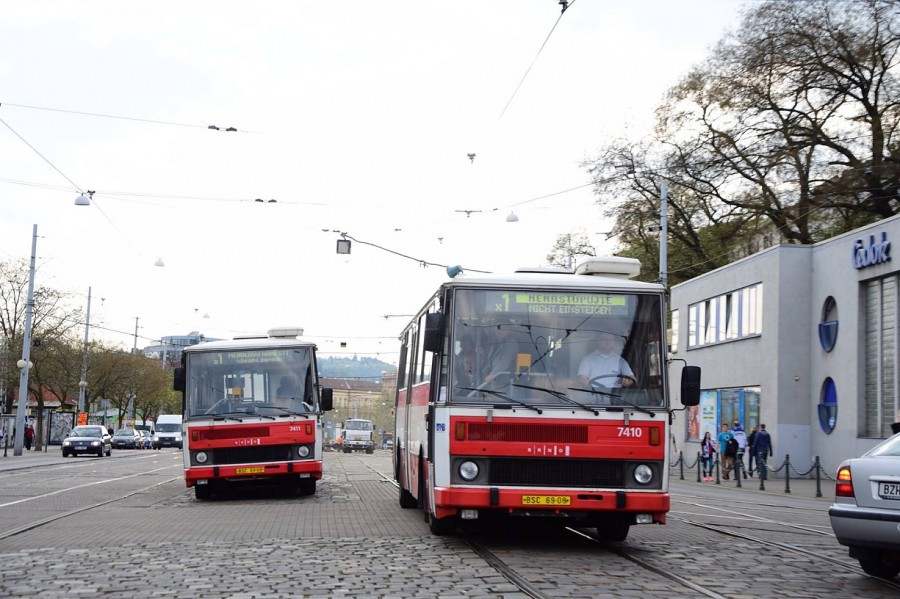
x=865, y=515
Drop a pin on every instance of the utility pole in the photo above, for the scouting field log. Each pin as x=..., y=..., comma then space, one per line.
x=136, y=319
x=24, y=364
x=663, y=234
x=82, y=384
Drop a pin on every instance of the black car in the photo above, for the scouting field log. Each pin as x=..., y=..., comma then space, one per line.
x=87, y=438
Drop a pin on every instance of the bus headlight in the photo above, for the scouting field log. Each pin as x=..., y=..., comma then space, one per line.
x=468, y=470
x=201, y=457
x=643, y=474
x=303, y=451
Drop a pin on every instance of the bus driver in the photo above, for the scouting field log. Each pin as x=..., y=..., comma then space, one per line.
x=605, y=365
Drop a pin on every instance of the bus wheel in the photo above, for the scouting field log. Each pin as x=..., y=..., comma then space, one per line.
x=307, y=486
x=613, y=531
x=202, y=492
x=443, y=526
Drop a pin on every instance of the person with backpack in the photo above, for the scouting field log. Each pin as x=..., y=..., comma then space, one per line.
x=741, y=437
x=762, y=444
x=727, y=460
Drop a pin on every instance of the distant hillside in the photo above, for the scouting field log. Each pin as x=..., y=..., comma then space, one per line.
x=355, y=367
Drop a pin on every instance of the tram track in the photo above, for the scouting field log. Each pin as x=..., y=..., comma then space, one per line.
x=529, y=589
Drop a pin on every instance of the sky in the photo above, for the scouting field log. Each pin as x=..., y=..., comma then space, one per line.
x=356, y=117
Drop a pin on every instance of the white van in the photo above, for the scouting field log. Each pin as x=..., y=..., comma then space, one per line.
x=168, y=431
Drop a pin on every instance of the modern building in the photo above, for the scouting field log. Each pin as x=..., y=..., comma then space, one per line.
x=169, y=350
x=802, y=338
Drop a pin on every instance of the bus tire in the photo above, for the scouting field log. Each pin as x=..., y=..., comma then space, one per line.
x=202, y=492
x=307, y=486
x=613, y=531
x=443, y=526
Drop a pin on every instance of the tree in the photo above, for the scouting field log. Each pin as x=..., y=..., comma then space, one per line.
x=788, y=132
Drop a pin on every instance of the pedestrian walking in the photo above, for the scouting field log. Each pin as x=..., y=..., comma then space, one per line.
x=741, y=437
x=763, y=447
x=729, y=457
x=751, y=439
x=723, y=439
x=29, y=436
x=707, y=455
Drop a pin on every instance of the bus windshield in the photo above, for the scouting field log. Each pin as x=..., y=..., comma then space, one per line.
x=262, y=382
x=358, y=425
x=556, y=348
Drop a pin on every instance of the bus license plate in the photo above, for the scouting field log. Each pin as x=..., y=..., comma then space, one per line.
x=546, y=500
x=253, y=470
x=889, y=490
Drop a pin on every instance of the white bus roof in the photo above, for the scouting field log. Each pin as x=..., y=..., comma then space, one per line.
x=243, y=344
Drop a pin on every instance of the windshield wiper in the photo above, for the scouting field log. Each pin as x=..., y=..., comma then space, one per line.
x=617, y=397
x=504, y=396
x=225, y=416
x=560, y=395
x=287, y=412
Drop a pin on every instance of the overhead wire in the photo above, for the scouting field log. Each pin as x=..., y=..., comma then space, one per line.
x=566, y=6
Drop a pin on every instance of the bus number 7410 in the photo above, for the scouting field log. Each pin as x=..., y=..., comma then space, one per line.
x=630, y=431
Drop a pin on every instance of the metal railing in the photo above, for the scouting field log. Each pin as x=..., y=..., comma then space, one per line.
x=815, y=471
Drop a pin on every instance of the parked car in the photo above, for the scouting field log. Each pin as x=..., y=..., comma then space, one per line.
x=126, y=438
x=87, y=438
x=146, y=440
x=865, y=515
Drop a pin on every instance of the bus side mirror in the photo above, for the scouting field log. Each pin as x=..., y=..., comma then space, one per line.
x=327, y=399
x=434, y=332
x=178, y=380
x=690, y=386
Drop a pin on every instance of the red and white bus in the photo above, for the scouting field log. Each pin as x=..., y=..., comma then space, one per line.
x=252, y=413
x=535, y=439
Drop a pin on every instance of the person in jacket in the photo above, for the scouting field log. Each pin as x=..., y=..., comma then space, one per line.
x=751, y=438
x=762, y=445
x=741, y=437
x=29, y=436
x=707, y=455
x=727, y=461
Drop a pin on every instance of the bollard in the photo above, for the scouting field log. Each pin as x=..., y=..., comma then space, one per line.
x=818, y=479
x=787, y=473
x=737, y=472
x=681, y=463
x=699, y=466
x=762, y=471
x=718, y=480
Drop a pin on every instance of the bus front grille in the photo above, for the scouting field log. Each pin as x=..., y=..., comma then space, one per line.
x=246, y=455
x=536, y=472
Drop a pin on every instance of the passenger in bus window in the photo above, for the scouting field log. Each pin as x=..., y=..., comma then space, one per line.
x=465, y=369
x=604, y=366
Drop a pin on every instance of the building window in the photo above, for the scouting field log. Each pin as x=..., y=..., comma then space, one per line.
x=673, y=342
x=726, y=317
x=881, y=357
x=828, y=406
x=723, y=406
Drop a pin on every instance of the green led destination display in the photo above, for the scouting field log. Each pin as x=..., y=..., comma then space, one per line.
x=542, y=302
x=267, y=356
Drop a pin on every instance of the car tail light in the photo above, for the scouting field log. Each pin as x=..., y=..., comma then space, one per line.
x=843, y=486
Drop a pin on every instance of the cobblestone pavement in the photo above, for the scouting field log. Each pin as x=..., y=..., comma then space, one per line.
x=352, y=540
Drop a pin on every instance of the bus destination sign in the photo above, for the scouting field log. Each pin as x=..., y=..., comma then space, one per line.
x=561, y=303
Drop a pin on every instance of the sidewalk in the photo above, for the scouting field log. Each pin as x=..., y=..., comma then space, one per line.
x=29, y=459
x=804, y=487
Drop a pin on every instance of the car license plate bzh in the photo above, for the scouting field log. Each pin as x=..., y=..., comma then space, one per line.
x=546, y=500
x=889, y=490
x=251, y=470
